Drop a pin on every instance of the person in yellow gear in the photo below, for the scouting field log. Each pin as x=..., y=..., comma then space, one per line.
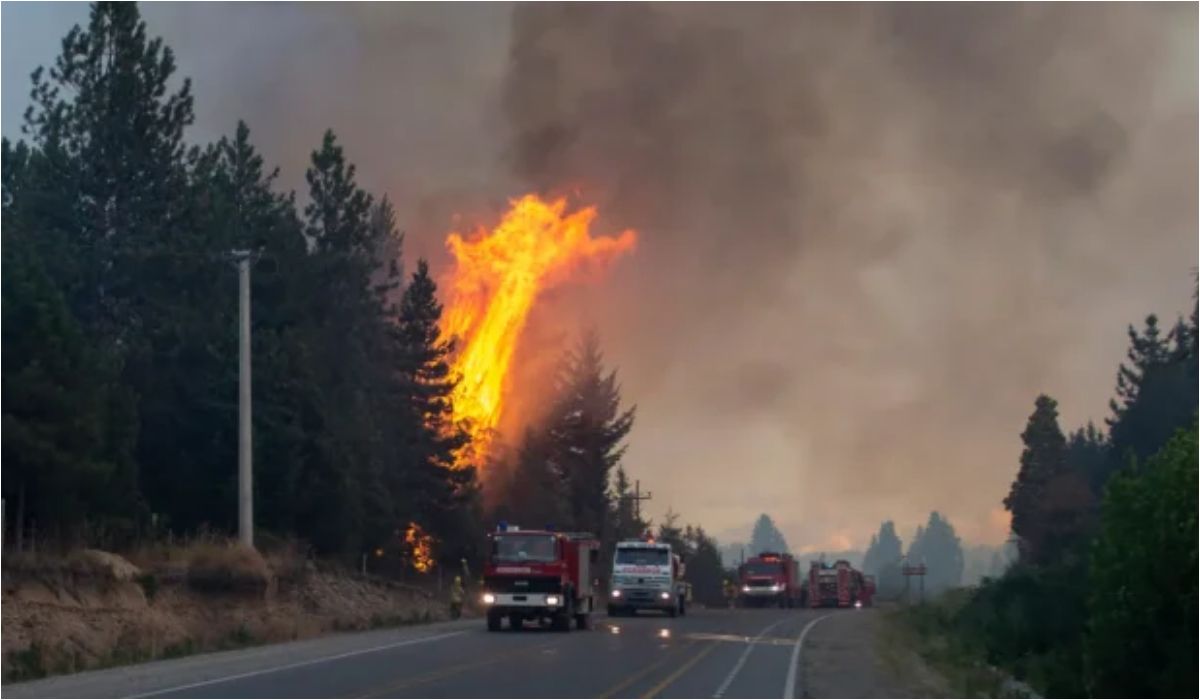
x=456, y=598
x=730, y=592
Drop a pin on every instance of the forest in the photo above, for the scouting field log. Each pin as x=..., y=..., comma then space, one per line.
x=120, y=343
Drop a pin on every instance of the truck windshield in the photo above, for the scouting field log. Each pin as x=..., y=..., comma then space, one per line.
x=524, y=548
x=762, y=568
x=642, y=557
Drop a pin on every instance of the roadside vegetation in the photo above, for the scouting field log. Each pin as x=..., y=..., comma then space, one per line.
x=1102, y=601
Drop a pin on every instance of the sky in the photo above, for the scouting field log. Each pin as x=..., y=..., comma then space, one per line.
x=869, y=235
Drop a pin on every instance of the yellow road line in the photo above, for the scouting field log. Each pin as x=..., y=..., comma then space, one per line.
x=630, y=680
x=678, y=672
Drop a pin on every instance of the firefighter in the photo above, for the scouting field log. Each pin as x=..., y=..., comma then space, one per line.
x=730, y=592
x=456, y=598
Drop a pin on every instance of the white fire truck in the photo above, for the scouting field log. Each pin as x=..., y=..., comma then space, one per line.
x=647, y=575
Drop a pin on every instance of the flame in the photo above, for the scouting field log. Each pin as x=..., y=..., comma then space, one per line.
x=496, y=278
x=420, y=545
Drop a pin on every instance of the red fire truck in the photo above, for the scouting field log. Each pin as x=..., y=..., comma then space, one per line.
x=838, y=586
x=540, y=575
x=771, y=578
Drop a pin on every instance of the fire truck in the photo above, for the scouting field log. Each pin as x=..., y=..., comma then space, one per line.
x=771, y=578
x=838, y=586
x=540, y=575
x=647, y=575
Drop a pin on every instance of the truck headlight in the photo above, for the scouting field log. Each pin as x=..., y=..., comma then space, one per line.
x=489, y=598
x=745, y=589
x=616, y=593
x=551, y=600
x=775, y=588
x=664, y=595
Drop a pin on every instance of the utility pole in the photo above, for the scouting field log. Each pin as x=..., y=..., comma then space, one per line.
x=637, y=499
x=245, y=437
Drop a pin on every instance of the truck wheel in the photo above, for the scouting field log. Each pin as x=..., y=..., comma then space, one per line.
x=614, y=611
x=514, y=622
x=493, y=621
x=674, y=609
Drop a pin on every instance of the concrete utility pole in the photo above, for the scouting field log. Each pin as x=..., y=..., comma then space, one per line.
x=245, y=437
x=637, y=499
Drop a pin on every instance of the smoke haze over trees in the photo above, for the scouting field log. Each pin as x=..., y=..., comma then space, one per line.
x=937, y=188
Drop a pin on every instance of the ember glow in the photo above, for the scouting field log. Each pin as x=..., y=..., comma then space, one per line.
x=420, y=547
x=495, y=281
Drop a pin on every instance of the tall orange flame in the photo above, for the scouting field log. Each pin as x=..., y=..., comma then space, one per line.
x=492, y=288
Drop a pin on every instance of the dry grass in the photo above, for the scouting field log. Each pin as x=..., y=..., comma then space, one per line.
x=214, y=568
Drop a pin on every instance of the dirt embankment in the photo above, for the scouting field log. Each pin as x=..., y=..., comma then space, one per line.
x=93, y=609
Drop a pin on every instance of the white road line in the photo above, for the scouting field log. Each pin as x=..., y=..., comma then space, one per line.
x=299, y=664
x=789, y=688
x=720, y=692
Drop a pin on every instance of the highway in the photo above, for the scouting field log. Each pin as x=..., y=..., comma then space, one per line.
x=707, y=654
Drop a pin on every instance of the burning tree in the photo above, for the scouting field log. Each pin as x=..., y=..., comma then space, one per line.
x=495, y=281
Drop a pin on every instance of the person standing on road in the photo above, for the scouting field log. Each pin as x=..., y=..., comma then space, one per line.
x=730, y=593
x=456, y=598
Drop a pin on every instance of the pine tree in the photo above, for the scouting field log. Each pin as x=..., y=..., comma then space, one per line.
x=938, y=547
x=66, y=458
x=587, y=428
x=1087, y=453
x=108, y=116
x=1156, y=390
x=766, y=537
x=1051, y=504
x=432, y=478
x=882, y=559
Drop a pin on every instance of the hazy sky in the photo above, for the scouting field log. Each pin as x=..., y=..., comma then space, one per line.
x=870, y=235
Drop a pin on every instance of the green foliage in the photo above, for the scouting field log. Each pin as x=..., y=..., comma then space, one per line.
x=1052, y=505
x=120, y=342
x=1142, y=634
x=1156, y=390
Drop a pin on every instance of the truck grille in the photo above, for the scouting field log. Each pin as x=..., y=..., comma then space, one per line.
x=522, y=584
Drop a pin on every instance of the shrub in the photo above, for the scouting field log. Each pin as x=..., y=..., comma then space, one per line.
x=216, y=568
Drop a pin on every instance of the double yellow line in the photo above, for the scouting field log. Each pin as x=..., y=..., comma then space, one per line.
x=668, y=680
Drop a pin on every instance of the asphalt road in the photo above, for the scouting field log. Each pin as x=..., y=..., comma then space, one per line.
x=708, y=653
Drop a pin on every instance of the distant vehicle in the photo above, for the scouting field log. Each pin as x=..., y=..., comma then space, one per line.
x=540, y=575
x=838, y=586
x=647, y=575
x=771, y=578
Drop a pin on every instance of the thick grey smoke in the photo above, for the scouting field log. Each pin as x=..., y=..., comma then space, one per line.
x=869, y=234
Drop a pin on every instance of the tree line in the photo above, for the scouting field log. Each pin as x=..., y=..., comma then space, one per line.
x=1102, y=600
x=120, y=333
x=120, y=341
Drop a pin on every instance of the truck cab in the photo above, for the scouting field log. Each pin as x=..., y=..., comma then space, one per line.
x=647, y=575
x=771, y=578
x=539, y=575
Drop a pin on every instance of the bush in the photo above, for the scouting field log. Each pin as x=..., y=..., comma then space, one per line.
x=227, y=569
x=1143, y=627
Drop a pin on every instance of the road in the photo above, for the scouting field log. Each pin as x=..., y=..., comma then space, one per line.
x=708, y=653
